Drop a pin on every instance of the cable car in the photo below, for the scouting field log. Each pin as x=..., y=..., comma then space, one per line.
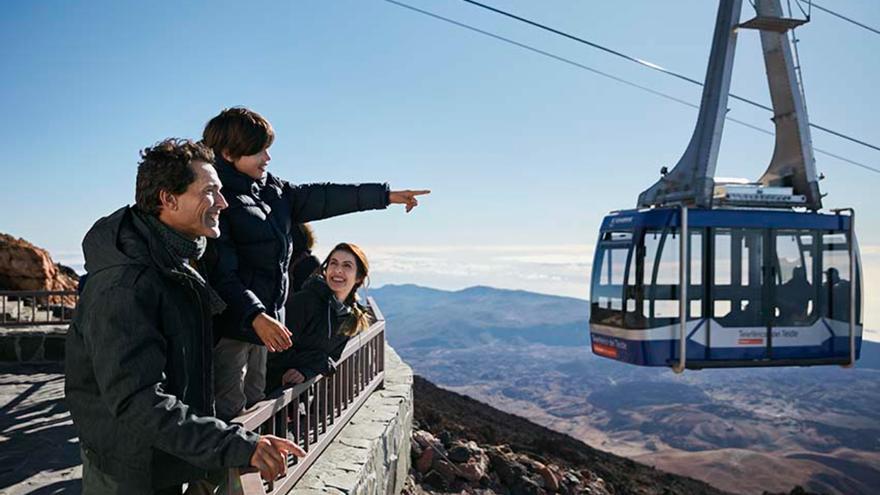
x=712, y=273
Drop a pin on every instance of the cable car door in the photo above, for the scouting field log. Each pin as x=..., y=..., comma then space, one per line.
x=741, y=289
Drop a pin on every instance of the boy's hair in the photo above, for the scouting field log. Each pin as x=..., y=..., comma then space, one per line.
x=239, y=132
x=166, y=167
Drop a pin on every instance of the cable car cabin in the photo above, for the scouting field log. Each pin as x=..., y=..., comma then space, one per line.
x=764, y=288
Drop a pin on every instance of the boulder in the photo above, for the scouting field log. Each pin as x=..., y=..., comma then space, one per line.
x=423, y=465
x=475, y=469
x=24, y=266
x=445, y=469
x=459, y=453
x=551, y=479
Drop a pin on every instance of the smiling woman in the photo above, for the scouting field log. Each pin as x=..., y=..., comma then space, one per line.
x=322, y=318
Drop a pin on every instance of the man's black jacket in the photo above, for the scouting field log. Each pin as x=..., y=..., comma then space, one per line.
x=138, y=363
x=256, y=240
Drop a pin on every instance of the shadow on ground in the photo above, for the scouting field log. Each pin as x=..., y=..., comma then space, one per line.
x=39, y=450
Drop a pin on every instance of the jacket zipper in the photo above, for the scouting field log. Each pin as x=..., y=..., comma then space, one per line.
x=205, y=387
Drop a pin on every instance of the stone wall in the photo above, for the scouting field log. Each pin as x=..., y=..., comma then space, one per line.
x=371, y=455
x=37, y=344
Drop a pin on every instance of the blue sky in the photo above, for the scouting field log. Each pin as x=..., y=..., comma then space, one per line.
x=524, y=154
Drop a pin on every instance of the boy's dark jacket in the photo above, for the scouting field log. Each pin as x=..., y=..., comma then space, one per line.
x=138, y=363
x=258, y=236
x=314, y=317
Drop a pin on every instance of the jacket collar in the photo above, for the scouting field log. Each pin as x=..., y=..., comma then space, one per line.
x=235, y=181
x=318, y=285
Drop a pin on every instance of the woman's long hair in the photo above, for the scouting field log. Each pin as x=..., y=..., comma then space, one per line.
x=359, y=319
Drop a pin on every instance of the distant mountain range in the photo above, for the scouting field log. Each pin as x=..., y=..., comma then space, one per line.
x=744, y=431
x=481, y=315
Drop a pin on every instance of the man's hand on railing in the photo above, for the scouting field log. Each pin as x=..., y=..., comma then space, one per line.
x=272, y=332
x=270, y=457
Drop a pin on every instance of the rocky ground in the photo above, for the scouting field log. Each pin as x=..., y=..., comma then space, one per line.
x=461, y=445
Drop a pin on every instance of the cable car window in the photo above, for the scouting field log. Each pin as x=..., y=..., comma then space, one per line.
x=722, y=309
x=613, y=266
x=722, y=257
x=695, y=250
x=666, y=309
x=607, y=291
x=661, y=258
x=738, y=283
x=695, y=275
x=660, y=277
x=835, y=276
x=696, y=310
x=795, y=287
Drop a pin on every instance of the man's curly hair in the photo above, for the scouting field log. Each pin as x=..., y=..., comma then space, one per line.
x=166, y=167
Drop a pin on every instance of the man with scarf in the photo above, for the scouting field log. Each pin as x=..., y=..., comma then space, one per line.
x=139, y=361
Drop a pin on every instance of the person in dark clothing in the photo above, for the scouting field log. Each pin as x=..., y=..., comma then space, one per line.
x=794, y=298
x=322, y=317
x=138, y=352
x=256, y=245
x=303, y=264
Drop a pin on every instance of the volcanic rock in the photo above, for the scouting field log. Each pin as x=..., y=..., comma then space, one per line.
x=492, y=452
x=24, y=266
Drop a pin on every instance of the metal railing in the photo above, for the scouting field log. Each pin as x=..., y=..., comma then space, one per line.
x=37, y=307
x=314, y=412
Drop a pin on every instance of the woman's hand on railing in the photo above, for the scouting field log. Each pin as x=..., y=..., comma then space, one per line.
x=270, y=456
x=292, y=377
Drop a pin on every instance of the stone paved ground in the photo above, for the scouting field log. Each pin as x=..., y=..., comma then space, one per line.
x=39, y=451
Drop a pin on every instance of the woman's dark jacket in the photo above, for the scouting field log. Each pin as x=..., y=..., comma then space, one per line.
x=258, y=235
x=314, y=317
x=139, y=364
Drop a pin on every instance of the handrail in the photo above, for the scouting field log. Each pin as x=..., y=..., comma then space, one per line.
x=42, y=304
x=314, y=412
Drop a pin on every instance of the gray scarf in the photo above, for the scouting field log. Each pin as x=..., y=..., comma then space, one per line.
x=183, y=250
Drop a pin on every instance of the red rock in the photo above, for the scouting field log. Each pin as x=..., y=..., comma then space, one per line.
x=423, y=465
x=415, y=450
x=445, y=469
x=475, y=468
x=24, y=266
x=425, y=439
x=551, y=480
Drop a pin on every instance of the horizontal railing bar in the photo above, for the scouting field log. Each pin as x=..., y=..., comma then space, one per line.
x=355, y=343
x=376, y=311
